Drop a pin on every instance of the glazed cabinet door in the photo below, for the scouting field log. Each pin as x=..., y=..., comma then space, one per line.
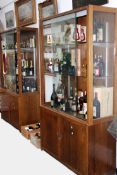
x=49, y=131
x=73, y=146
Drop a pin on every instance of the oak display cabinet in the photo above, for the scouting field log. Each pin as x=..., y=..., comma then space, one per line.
x=20, y=78
x=78, y=88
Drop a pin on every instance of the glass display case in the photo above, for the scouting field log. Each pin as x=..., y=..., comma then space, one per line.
x=103, y=63
x=9, y=59
x=65, y=64
x=28, y=60
x=69, y=75
x=19, y=75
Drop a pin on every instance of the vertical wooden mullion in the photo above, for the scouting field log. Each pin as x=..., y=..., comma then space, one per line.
x=90, y=65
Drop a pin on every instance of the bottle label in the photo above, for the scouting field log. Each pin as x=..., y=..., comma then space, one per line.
x=16, y=71
x=94, y=37
x=27, y=88
x=56, y=67
x=52, y=103
x=84, y=108
x=97, y=72
x=59, y=97
x=100, y=34
x=31, y=73
x=74, y=107
x=94, y=111
x=24, y=73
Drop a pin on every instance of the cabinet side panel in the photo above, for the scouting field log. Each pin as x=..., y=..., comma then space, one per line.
x=29, y=109
x=102, y=150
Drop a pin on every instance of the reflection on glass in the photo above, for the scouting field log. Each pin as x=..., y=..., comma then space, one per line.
x=9, y=60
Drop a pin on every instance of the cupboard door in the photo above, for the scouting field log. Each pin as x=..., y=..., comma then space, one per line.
x=74, y=146
x=65, y=141
x=49, y=129
x=14, y=112
x=5, y=107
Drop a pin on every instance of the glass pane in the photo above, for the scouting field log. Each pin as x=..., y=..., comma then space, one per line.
x=65, y=63
x=28, y=61
x=9, y=60
x=103, y=62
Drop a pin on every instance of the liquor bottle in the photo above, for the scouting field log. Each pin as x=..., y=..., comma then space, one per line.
x=78, y=32
x=81, y=100
x=31, y=69
x=71, y=96
x=83, y=34
x=23, y=85
x=96, y=66
x=85, y=105
x=62, y=104
x=75, y=101
x=32, y=42
x=27, y=68
x=95, y=31
x=101, y=66
x=27, y=85
x=23, y=67
x=100, y=31
x=54, y=98
x=96, y=106
x=60, y=91
x=67, y=106
x=56, y=65
x=17, y=85
x=17, y=72
x=74, y=105
x=50, y=66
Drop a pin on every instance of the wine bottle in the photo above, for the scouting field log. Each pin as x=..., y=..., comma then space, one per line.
x=67, y=106
x=54, y=98
x=96, y=106
x=31, y=69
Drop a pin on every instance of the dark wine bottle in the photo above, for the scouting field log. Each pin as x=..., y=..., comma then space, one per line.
x=96, y=106
x=54, y=98
x=85, y=105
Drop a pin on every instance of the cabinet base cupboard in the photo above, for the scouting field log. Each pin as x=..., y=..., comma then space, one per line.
x=20, y=110
x=87, y=150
